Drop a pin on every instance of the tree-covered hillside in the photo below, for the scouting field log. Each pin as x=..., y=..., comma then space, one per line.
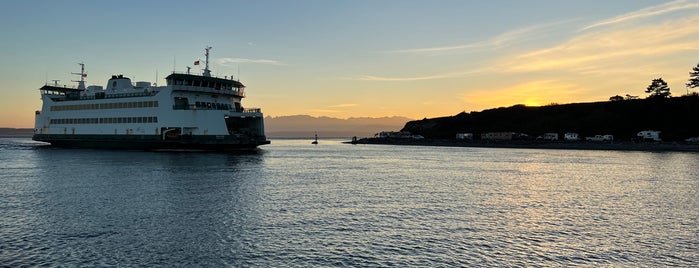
x=677, y=118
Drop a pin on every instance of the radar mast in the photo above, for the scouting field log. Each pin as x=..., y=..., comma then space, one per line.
x=207, y=72
x=82, y=74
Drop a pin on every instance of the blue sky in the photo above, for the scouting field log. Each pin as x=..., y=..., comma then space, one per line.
x=357, y=58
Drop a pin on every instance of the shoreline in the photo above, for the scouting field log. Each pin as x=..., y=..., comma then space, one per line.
x=558, y=145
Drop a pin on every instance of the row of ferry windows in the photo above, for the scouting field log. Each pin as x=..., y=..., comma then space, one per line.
x=197, y=83
x=213, y=106
x=110, y=120
x=97, y=106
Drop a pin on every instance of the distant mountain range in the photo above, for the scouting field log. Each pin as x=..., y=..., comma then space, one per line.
x=16, y=132
x=302, y=126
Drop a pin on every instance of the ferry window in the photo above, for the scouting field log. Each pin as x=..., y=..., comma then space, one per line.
x=155, y=103
x=139, y=120
x=113, y=84
x=181, y=102
x=155, y=119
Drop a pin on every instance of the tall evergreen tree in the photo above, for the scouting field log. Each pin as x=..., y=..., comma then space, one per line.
x=658, y=89
x=693, y=77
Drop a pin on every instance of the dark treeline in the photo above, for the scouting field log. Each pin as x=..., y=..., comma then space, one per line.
x=677, y=118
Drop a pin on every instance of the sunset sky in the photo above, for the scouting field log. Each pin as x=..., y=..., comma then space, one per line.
x=357, y=58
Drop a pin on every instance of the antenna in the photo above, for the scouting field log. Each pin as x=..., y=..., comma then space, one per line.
x=156, y=78
x=82, y=74
x=207, y=72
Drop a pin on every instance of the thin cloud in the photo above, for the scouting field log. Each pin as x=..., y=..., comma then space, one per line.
x=401, y=79
x=343, y=105
x=419, y=78
x=499, y=41
x=599, y=50
x=646, y=12
x=324, y=111
x=229, y=61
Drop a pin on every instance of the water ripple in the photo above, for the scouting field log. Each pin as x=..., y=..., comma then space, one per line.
x=339, y=205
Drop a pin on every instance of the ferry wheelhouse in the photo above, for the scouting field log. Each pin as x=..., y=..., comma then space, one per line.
x=192, y=112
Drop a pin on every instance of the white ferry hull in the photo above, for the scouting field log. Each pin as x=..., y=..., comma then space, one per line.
x=152, y=142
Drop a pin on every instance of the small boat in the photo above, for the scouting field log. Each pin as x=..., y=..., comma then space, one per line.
x=316, y=140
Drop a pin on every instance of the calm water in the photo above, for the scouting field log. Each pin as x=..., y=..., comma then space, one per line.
x=295, y=204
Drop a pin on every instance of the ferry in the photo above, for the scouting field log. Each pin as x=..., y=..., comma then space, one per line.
x=192, y=112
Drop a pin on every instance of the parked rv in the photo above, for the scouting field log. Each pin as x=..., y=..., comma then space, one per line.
x=570, y=136
x=600, y=138
x=649, y=135
x=464, y=136
x=548, y=137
